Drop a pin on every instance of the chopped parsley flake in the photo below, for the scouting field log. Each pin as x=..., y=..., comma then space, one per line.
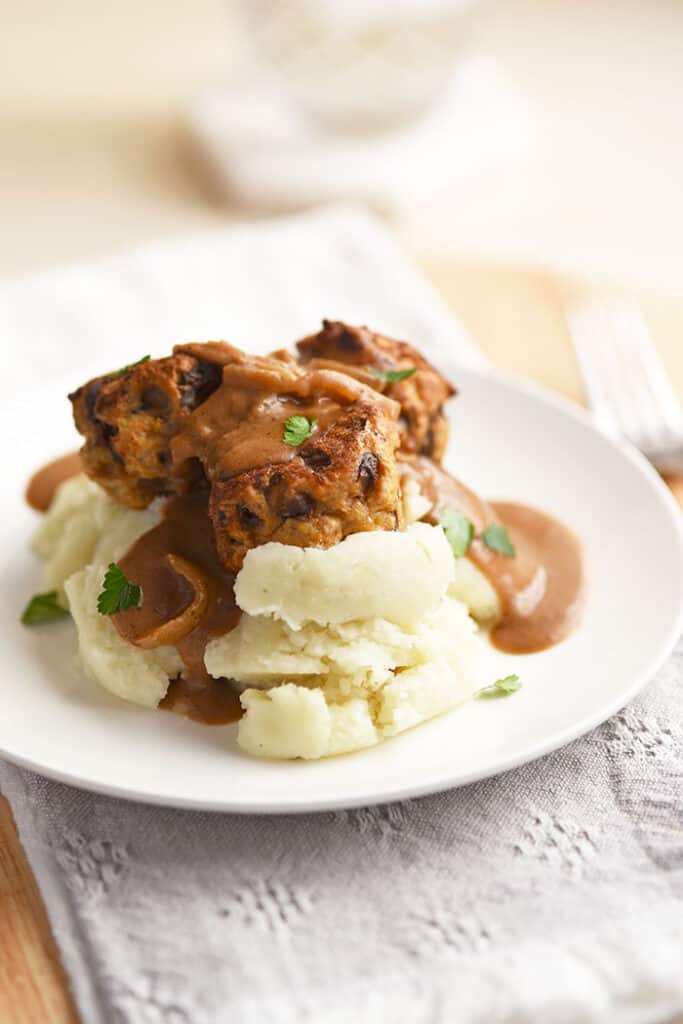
x=124, y=369
x=501, y=688
x=118, y=593
x=43, y=608
x=459, y=530
x=298, y=429
x=497, y=539
x=394, y=376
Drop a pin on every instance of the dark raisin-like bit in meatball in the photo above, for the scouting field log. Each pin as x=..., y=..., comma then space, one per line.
x=294, y=502
x=128, y=419
x=368, y=468
x=367, y=355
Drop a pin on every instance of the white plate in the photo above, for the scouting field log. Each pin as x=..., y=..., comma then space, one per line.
x=509, y=441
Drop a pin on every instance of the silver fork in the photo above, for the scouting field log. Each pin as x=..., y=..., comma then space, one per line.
x=625, y=380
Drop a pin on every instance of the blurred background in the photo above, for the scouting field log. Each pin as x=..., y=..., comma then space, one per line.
x=538, y=130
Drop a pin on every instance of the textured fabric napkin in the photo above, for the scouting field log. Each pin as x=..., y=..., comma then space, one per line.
x=550, y=895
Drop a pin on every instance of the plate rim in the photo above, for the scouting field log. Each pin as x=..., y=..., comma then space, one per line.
x=497, y=766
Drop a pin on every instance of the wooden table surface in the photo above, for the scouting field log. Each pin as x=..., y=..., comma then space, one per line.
x=516, y=316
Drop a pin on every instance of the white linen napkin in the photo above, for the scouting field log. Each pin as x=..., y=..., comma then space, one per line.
x=550, y=895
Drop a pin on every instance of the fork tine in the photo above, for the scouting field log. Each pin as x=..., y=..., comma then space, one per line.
x=619, y=383
x=651, y=371
x=625, y=380
x=596, y=363
x=644, y=421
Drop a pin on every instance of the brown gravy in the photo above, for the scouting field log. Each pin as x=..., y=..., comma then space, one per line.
x=211, y=703
x=240, y=426
x=188, y=600
x=444, y=491
x=541, y=588
x=43, y=484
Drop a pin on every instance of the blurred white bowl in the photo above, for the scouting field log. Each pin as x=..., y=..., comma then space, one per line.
x=358, y=65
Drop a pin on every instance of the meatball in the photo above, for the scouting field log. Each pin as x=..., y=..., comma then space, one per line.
x=300, y=454
x=343, y=481
x=128, y=418
x=338, y=476
x=367, y=356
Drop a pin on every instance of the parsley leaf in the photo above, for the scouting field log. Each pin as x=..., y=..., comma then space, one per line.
x=124, y=369
x=497, y=539
x=118, y=593
x=394, y=376
x=459, y=530
x=43, y=608
x=501, y=688
x=297, y=430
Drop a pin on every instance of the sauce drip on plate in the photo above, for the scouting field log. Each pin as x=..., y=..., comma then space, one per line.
x=541, y=588
x=43, y=484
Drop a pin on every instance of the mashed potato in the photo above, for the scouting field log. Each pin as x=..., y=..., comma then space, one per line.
x=67, y=535
x=470, y=586
x=83, y=531
x=337, y=649
x=135, y=675
x=415, y=504
x=394, y=576
x=340, y=648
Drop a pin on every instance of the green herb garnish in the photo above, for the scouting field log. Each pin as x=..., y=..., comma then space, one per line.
x=43, y=608
x=118, y=593
x=394, y=376
x=297, y=430
x=501, y=688
x=459, y=530
x=497, y=539
x=124, y=369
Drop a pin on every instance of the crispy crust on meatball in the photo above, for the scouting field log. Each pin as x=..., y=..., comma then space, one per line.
x=128, y=418
x=423, y=424
x=344, y=481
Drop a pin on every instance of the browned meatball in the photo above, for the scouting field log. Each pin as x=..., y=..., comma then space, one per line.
x=211, y=416
x=340, y=482
x=339, y=477
x=366, y=355
x=128, y=418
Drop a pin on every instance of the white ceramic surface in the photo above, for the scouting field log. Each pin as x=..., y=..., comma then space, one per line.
x=509, y=441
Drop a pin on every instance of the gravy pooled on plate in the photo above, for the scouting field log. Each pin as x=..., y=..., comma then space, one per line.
x=541, y=587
